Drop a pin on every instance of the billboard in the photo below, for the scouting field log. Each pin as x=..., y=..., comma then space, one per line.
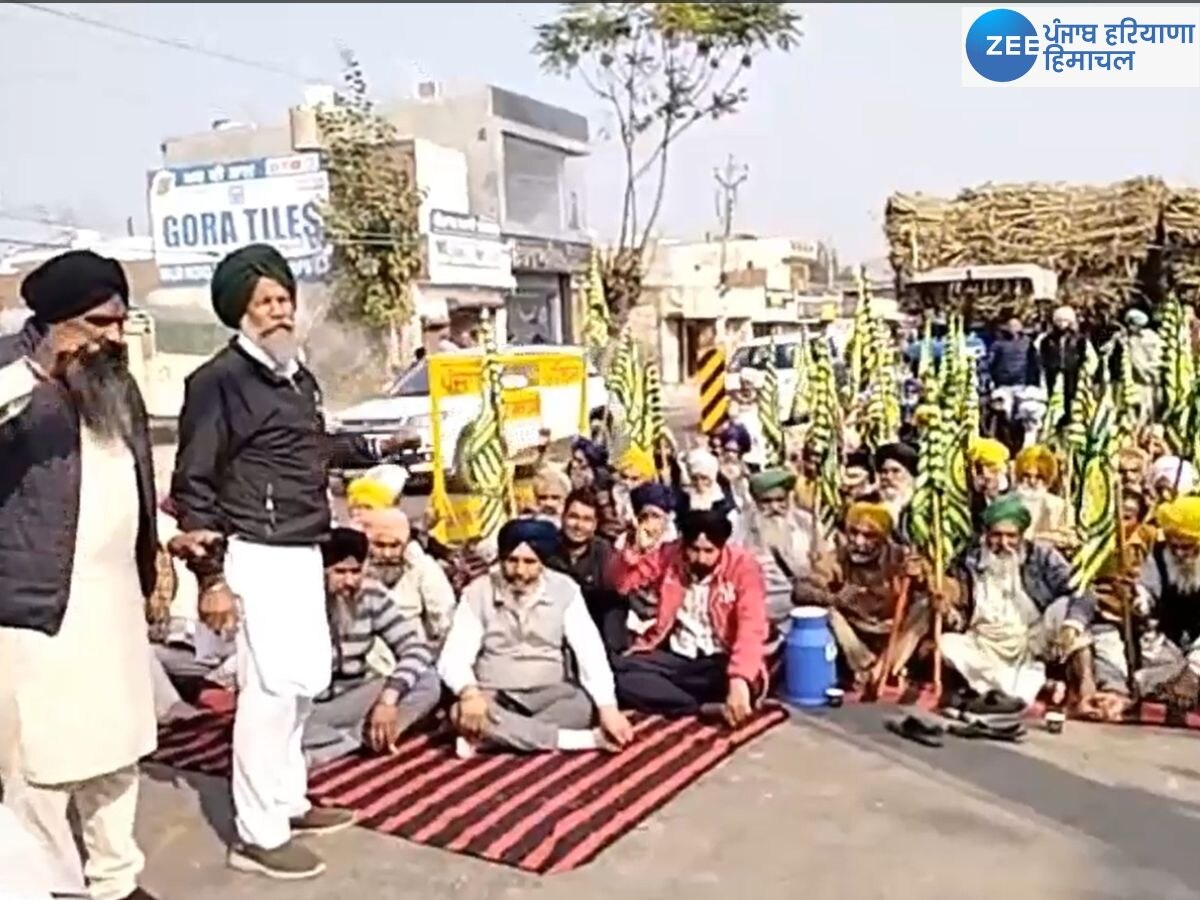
x=200, y=213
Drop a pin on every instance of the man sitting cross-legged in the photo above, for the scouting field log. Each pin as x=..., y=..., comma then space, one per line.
x=1016, y=601
x=412, y=579
x=358, y=704
x=860, y=582
x=505, y=660
x=706, y=646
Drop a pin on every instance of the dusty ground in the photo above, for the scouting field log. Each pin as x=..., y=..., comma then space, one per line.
x=829, y=806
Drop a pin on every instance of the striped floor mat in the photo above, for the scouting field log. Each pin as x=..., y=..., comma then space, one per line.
x=544, y=813
x=1146, y=713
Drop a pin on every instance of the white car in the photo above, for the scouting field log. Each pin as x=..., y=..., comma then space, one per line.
x=406, y=406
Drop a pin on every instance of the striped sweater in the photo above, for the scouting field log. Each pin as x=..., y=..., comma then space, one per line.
x=376, y=616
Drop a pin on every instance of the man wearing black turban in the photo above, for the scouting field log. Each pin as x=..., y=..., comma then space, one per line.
x=358, y=703
x=251, y=475
x=504, y=660
x=77, y=561
x=706, y=645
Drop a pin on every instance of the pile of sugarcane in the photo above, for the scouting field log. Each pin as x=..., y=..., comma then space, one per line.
x=1097, y=239
x=1181, y=242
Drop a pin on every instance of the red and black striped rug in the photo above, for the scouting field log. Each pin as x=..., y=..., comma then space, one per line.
x=548, y=812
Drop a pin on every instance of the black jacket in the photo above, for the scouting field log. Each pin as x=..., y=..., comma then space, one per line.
x=1012, y=362
x=253, y=457
x=39, y=500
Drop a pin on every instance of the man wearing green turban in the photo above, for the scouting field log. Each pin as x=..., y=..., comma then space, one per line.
x=779, y=534
x=251, y=491
x=1011, y=609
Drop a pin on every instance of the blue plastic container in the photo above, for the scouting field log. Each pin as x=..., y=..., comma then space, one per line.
x=810, y=657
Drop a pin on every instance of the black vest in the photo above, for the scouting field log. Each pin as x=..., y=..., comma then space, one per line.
x=1178, y=613
x=39, y=500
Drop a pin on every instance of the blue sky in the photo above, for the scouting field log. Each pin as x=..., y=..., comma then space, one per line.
x=869, y=103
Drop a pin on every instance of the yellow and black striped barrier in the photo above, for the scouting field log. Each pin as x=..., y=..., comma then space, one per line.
x=714, y=401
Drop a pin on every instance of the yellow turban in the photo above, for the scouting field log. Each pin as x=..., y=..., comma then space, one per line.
x=872, y=516
x=1037, y=460
x=637, y=462
x=370, y=494
x=1180, y=518
x=988, y=452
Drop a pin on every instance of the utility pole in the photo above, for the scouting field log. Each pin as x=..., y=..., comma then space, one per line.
x=729, y=180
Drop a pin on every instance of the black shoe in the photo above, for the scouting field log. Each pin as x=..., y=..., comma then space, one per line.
x=995, y=703
x=140, y=894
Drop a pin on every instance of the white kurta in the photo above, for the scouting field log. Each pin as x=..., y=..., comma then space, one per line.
x=83, y=698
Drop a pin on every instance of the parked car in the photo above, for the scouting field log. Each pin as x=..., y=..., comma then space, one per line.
x=406, y=406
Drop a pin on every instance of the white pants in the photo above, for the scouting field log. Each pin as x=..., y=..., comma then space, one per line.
x=270, y=780
x=106, y=806
x=283, y=660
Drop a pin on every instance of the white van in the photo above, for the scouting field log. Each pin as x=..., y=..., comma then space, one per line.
x=167, y=344
x=406, y=405
x=755, y=354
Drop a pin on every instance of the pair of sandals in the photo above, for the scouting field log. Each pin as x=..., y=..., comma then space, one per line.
x=930, y=734
x=993, y=716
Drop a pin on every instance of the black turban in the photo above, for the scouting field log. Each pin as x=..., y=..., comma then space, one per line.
x=596, y=456
x=71, y=284
x=652, y=493
x=901, y=453
x=344, y=544
x=236, y=275
x=860, y=459
x=539, y=535
x=714, y=524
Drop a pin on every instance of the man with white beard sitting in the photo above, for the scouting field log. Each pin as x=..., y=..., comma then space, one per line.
x=1015, y=607
x=1036, y=470
x=1170, y=597
x=897, y=468
x=412, y=580
x=780, y=536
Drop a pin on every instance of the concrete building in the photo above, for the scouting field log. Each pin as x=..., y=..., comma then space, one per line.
x=725, y=292
x=523, y=179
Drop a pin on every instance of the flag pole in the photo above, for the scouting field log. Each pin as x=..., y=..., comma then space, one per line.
x=938, y=586
x=1126, y=595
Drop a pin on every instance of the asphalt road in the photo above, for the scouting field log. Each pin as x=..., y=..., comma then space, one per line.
x=829, y=807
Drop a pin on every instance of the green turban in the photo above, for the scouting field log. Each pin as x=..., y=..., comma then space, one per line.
x=236, y=275
x=771, y=480
x=1008, y=508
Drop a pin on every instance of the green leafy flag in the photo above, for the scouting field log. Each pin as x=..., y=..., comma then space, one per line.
x=483, y=457
x=768, y=412
x=597, y=321
x=823, y=438
x=1179, y=374
x=1098, y=517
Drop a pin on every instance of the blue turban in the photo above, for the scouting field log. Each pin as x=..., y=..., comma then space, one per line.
x=652, y=493
x=539, y=535
x=735, y=433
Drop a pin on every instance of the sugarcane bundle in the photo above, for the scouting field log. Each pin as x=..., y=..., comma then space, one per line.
x=1181, y=238
x=1095, y=238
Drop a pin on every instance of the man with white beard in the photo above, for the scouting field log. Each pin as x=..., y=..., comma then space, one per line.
x=251, y=490
x=1019, y=609
x=897, y=467
x=1035, y=470
x=1169, y=595
x=780, y=535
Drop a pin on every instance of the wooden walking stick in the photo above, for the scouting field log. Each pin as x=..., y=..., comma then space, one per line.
x=889, y=653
